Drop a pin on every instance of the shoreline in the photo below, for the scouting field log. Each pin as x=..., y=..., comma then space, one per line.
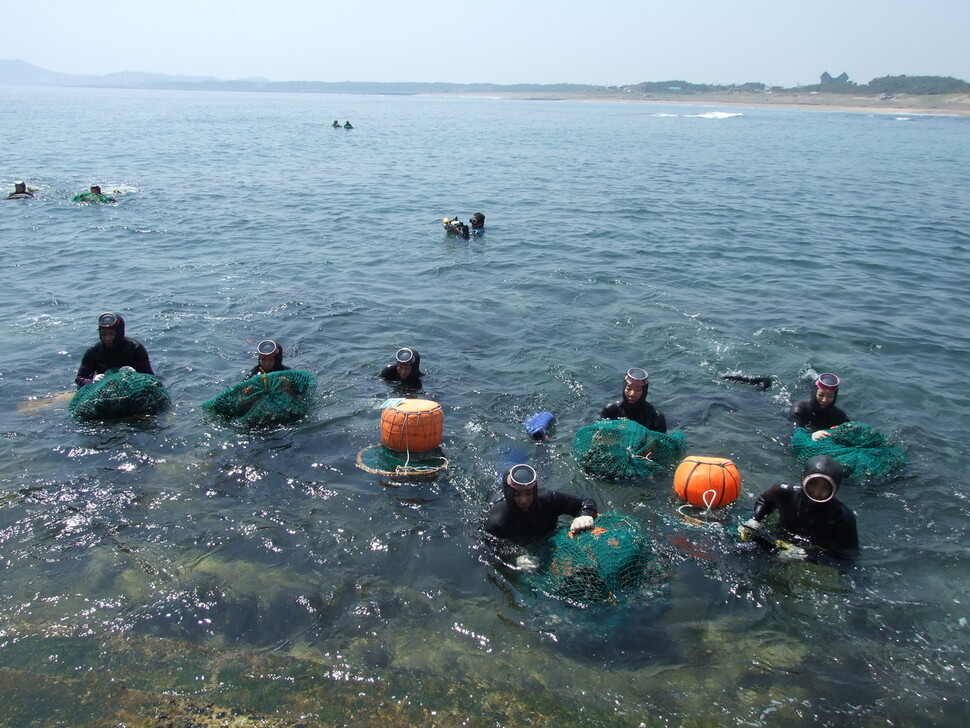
x=902, y=104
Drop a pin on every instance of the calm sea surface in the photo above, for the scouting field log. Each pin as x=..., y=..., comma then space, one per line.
x=264, y=572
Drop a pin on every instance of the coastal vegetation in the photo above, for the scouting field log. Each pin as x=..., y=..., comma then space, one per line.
x=915, y=85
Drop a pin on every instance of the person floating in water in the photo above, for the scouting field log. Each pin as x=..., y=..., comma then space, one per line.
x=819, y=413
x=527, y=512
x=762, y=383
x=634, y=405
x=478, y=223
x=93, y=195
x=113, y=351
x=809, y=512
x=454, y=226
x=270, y=355
x=406, y=368
x=348, y=125
x=20, y=192
x=336, y=124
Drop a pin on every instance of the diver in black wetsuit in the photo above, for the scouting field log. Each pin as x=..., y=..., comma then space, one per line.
x=405, y=370
x=810, y=511
x=634, y=405
x=270, y=359
x=20, y=192
x=528, y=512
x=113, y=351
x=819, y=413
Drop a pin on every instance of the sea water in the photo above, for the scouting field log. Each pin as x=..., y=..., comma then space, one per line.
x=264, y=571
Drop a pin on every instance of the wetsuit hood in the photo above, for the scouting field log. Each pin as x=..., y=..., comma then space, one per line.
x=416, y=362
x=119, y=329
x=509, y=492
x=817, y=408
x=637, y=407
x=828, y=467
x=278, y=359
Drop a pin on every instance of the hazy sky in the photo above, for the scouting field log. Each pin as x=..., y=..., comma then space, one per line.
x=607, y=42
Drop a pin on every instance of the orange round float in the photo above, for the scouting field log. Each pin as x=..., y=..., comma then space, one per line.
x=707, y=482
x=413, y=425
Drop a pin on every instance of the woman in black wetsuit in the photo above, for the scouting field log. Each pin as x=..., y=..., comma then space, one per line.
x=114, y=350
x=810, y=511
x=270, y=359
x=527, y=513
x=406, y=369
x=819, y=413
x=634, y=405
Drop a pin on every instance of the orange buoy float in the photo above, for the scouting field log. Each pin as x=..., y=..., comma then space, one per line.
x=707, y=482
x=412, y=425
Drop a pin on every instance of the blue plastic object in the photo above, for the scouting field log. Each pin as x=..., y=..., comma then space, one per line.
x=538, y=425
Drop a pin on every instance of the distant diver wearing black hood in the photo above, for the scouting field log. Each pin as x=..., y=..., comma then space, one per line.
x=112, y=352
x=810, y=512
x=634, y=405
x=270, y=359
x=528, y=512
x=20, y=192
x=406, y=369
x=819, y=413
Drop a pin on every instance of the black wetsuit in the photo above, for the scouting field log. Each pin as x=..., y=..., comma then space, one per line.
x=389, y=373
x=507, y=520
x=830, y=526
x=809, y=413
x=643, y=412
x=125, y=353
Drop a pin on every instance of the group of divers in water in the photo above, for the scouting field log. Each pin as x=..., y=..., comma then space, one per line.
x=453, y=226
x=22, y=192
x=808, y=512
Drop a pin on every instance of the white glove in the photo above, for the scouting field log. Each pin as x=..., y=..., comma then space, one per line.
x=97, y=377
x=126, y=369
x=819, y=434
x=525, y=563
x=581, y=523
x=745, y=529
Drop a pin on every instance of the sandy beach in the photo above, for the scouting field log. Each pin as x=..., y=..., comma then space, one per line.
x=952, y=104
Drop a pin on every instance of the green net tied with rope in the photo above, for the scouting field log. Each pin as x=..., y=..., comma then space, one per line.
x=861, y=450
x=602, y=565
x=626, y=450
x=120, y=394
x=266, y=399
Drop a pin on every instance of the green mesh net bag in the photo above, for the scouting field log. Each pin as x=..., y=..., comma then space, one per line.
x=266, y=399
x=602, y=565
x=119, y=394
x=624, y=449
x=861, y=449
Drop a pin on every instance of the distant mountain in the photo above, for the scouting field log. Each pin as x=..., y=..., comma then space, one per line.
x=21, y=73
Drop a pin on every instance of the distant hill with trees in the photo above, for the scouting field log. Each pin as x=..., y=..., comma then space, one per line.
x=919, y=85
x=915, y=85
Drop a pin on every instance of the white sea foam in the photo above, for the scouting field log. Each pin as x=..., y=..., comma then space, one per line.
x=714, y=115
